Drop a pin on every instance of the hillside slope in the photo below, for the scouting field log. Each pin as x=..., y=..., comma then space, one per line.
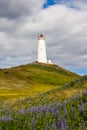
x=67, y=91
x=33, y=79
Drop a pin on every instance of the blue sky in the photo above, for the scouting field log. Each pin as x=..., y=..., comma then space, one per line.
x=70, y=3
x=50, y=3
x=53, y=2
x=79, y=71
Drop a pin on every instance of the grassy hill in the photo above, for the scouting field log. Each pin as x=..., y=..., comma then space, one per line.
x=32, y=79
x=65, y=92
x=41, y=96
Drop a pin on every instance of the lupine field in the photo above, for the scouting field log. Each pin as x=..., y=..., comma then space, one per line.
x=42, y=97
x=70, y=114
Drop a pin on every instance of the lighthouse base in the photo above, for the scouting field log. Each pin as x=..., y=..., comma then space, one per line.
x=48, y=62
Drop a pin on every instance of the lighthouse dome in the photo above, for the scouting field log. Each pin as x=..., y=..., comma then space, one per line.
x=41, y=36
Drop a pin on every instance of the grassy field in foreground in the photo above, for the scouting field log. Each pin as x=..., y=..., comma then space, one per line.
x=42, y=97
x=68, y=115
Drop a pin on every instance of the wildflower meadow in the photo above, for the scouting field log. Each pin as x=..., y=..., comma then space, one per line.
x=70, y=114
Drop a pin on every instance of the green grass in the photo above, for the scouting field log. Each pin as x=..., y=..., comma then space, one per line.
x=70, y=114
x=33, y=86
x=31, y=80
x=55, y=95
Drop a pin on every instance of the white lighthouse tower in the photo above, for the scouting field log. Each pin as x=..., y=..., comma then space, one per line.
x=42, y=57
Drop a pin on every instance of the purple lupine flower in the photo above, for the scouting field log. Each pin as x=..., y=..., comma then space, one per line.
x=78, y=96
x=0, y=128
x=52, y=111
x=73, y=98
x=69, y=100
x=62, y=126
x=65, y=112
x=47, y=127
x=40, y=110
x=45, y=107
x=65, y=103
x=67, y=128
x=34, y=110
x=46, y=110
x=81, y=108
x=54, y=126
x=21, y=112
x=5, y=119
x=58, y=111
x=55, y=104
x=59, y=123
x=33, y=124
x=60, y=106
x=66, y=124
x=73, y=112
x=9, y=118
x=85, y=93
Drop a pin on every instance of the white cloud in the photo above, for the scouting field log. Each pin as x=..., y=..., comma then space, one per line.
x=16, y=8
x=65, y=29
x=77, y=4
x=82, y=5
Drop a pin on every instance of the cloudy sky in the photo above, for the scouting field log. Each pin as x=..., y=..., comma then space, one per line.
x=63, y=22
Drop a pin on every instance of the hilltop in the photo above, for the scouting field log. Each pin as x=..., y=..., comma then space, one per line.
x=32, y=79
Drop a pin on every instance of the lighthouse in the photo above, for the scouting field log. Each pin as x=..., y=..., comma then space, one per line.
x=41, y=57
